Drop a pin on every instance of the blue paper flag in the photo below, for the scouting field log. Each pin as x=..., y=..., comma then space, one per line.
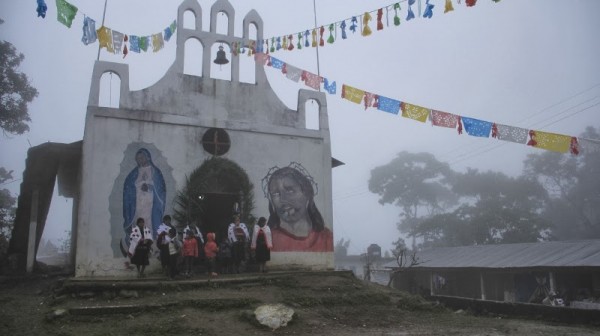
x=428, y=10
x=168, y=33
x=134, y=43
x=388, y=105
x=89, y=31
x=306, y=34
x=353, y=24
x=330, y=88
x=343, y=26
x=276, y=63
x=476, y=127
x=41, y=8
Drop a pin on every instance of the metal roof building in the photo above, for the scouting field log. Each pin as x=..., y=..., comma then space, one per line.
x=581, y=253
x=525, y=272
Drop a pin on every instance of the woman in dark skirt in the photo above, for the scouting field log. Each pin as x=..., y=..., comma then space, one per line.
x=262, y=243
x=140, y=242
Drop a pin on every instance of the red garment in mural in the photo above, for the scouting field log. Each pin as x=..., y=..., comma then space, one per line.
x=284, y=241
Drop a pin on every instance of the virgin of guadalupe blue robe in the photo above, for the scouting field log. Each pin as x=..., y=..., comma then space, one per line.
x=130, y=195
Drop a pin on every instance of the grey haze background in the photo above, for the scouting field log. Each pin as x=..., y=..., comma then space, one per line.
x=529, y=63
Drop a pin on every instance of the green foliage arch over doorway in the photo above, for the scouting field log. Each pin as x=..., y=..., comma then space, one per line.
x=213, y=193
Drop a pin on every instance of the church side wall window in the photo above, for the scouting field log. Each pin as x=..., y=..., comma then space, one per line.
x=312, y=114
x=110, y=90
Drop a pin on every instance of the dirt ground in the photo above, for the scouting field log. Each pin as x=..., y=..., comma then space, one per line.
x=324, y=304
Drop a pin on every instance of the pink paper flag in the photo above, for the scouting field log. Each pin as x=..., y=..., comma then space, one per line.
x=443, y=119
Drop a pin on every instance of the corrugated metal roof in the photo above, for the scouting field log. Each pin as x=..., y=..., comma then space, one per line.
x=581, y=253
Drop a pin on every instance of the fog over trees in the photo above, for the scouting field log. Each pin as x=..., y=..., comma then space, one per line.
x=556, y=197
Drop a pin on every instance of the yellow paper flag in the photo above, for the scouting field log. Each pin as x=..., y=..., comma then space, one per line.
x=352, y=94
x=415, y=112
x=550, y=141
x=105, y=38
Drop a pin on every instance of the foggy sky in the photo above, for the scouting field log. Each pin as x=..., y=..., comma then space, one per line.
x=532, y=64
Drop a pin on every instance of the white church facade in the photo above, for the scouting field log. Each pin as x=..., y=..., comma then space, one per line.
x=221, y=147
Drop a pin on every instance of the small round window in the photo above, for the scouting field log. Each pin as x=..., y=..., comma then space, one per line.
x=216, y=141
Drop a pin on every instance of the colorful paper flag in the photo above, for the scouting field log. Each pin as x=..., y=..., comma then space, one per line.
x=366, y=30
x=511, y=133
x=134, y=43
x=291, y=72
x=370, y=100
x=311, y=80
x=448, y=7
x=157, y=42
x=343, y=27
x=428, y=10
x=329, y=87
x=168, y=33
x=444, y=119
x=89, y=31
x=476, y=127
x=41, y=8
x=550, y=141
x=276, y=63
x=105, y=38
x=65, y=12
x=352, y=94
x=117, y=41
x=415, y=112
x=396, y=17
x=410, y=14
x=144, y=43
x=388, y=105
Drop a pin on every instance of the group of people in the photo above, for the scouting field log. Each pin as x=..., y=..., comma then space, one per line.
x=180, y=255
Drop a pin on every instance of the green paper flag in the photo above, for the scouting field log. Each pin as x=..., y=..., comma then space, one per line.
x=144, y=43
x=65, y=12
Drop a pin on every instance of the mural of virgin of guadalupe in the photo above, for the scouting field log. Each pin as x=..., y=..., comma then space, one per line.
x=295, y=221
x=144, y=194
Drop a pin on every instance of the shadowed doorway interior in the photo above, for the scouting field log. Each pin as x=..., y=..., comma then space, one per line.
x=218, y=209
x=214, y=191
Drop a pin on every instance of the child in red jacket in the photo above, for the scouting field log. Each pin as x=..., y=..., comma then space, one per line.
x=210, y=250
x=189, y=251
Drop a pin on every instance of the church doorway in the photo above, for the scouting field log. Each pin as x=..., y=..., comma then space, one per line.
x=219, y=209
x=214, y=192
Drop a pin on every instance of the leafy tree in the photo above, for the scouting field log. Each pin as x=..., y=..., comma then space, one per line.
x=414, y=182
x=15, y=91
x=494, y=209
x=7, y=211
x=572, y=184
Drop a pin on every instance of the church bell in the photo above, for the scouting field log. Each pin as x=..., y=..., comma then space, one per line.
x=221, y=57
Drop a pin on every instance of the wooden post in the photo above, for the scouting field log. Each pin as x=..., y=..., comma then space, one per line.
x=33, y=219
x=431, y=285
x=482, y=286
x=552, y=282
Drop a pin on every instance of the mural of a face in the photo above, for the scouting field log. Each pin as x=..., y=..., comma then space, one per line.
x=288, y=198
x=295, y=221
